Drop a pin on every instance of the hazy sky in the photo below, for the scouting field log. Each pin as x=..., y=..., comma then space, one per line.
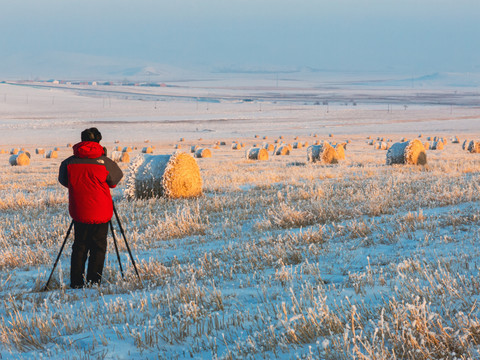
x=405, y=35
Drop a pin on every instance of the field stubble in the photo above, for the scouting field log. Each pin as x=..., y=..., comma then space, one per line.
x=357, y=260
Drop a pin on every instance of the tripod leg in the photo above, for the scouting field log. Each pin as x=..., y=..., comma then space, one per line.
x=58, y=257
x=126, y=243
x=116, y=248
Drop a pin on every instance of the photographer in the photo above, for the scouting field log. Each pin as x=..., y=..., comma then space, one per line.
x=89, y=175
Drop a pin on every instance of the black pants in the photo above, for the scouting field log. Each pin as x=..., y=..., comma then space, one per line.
x=90, y=241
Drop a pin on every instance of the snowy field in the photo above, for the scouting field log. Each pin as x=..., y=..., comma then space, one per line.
x=277, y=259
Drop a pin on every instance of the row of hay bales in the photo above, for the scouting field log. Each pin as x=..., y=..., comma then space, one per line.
x=471, y=146
x=22, y=157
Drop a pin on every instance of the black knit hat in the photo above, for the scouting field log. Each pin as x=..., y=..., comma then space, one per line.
x=91, y=134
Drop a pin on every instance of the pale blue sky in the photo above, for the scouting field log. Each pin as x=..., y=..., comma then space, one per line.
x=404, y=35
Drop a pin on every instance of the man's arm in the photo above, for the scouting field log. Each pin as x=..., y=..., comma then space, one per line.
x=115, y=174
x=63, y=174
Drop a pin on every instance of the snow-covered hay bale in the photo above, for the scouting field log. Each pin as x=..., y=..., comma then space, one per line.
x=324, y=153
x=52, y=154
x=147, y=150
x=173, y=176
x=20, y=159
x=256, y=153
x=120, y=156
x=39, y=151
x=474, y=146
x=409, y=152
x=203, y=153
x=282, y=150
x=340, y=149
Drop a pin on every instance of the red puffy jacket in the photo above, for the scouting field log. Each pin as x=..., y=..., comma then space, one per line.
x=89, y=175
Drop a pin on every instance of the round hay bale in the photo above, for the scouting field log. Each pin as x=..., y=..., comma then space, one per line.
x=265, y=137
x=280, y=137
x=26, y=153
x=465, y=145
x=69, y=145
x=256, y=136
x=173, y=176
x=370, y=142
x=455, y=140
x=340, y=149
x=52, y=154
x=236, y=146
x=409, y=152
x=56, y=148
x=323, y=153
x=282, y=150
x=2, y=151
x=305, y=144
x=295, y=138
x=178, y=146
x=223, y=143
x=330, y=135
x=474, y=147
x=268, y=147
x=216, y=147
x=194, y=148
x=181, y=139
x=203, y=153
x=20, y=159
x=39, y=151
x=427, y=145
x=117, y=148
x=297, y=145
x=14, y=151
x=437, y=145
x=256, y=153
x=317, y=142
x=120, y=156
x=147, y=150
x=127, y=149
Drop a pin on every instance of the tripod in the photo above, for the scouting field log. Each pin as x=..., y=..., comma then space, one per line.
x=114, y=241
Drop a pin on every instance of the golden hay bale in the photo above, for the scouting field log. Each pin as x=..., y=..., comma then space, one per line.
x=427, y=145
x=370, y=142
x=420, y=135
x=223, y=143
x=147, y=150
x=305, y=144
x=39, y=151
x=268, y=147
x=2, y=151
x=280, y=137
x=437, y=145
x=256, y=153
x=454, y=140
x=324, y=153
x=181, y=139
x=317, y=142
x=194, y=148
x=120, y=156
x=173, y=176
x=117, y=148
x=127, y=149
x=203, y=153
x=52, y=154
x=216, y=147
x=256, y=136
x=330, y=135
x=282, y=149
x=236, y=146
x=14, y=151
x=20, y=159
x=56, y=148
x=69, y=145
x=340, y=149
x=178, y=146
x=474, y=146
x=409, y=152
x=265, y=137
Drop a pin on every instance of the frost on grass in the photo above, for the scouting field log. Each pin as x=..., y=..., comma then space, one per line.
x=356, y=260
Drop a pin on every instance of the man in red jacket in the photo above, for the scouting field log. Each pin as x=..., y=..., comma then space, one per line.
x=89, y=175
